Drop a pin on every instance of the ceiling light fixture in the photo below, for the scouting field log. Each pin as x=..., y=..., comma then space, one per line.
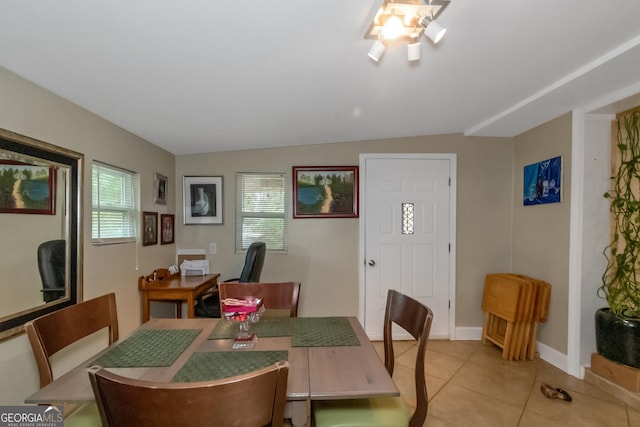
x=405, y=20
x=413, y=48
x=432, y=29
x=377, y=50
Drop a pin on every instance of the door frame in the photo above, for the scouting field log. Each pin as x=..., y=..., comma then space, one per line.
x=452, y=158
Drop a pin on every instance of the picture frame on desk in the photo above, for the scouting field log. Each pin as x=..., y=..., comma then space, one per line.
x=202, y=199
x=149, y=228
x=167, y=225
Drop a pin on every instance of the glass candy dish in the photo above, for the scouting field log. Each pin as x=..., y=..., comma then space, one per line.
x=246, y=312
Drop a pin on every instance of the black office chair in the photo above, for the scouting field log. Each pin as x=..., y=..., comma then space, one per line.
x=52, y=267
x=208, y=305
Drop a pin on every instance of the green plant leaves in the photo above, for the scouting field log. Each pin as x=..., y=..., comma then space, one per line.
x=619, y=283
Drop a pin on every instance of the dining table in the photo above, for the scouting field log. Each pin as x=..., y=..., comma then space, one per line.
x=329, y=358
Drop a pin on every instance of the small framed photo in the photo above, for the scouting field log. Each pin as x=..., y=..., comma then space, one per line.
x=202, y=199
x=160, y=188
x=149, y=228
x=325, y=191
x=167, y=223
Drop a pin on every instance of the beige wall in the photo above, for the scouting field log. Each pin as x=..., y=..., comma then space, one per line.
x=27, y=109
x=541, y=233
x=323, y=253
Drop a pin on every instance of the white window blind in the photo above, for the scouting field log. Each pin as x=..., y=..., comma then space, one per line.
x=114, y=195
x=261, y=211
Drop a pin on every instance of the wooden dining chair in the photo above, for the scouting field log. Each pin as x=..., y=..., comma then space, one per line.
x=254, y=399
x=280, y=296
x=416, y=319
x=52, y=332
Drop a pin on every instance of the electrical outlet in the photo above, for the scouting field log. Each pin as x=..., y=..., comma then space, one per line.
x=212, y=248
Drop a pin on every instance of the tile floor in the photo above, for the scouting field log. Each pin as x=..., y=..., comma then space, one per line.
x=470, y=384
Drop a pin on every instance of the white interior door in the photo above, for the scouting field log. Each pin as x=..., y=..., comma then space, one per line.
x=408, y=217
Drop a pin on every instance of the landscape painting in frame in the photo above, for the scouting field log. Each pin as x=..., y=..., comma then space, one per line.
x=325, y=191
x=27, y=188
x=543, y=182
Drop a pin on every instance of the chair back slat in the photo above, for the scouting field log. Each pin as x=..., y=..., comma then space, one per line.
x=415, y=318
x=254, y=399
x=276, y=296
x=52, y=332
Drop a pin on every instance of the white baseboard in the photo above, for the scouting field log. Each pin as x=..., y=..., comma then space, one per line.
x=548, y=354
x=553, y=356
x=467, y=334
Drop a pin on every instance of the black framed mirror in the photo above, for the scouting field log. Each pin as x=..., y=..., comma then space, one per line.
x=40, y=219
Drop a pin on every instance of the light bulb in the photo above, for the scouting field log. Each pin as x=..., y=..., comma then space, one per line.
x=393, y=28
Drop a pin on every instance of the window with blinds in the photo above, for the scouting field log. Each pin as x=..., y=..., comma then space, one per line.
x=114, y=200
x=261, y=211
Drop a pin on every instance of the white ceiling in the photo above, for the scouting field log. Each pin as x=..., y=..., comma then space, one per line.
x=197, y=76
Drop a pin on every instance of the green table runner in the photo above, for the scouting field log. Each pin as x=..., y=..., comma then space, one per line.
x=323, y=332
x=224, y=364
x=266, y=327
x=148, y=348
x=305, y=331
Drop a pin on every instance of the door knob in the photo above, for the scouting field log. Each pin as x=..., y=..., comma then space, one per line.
x=372, y=263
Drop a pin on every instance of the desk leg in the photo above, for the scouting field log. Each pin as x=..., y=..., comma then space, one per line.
x=145, y=307
x=191, y=307
x=179, y=309
x=297, y=411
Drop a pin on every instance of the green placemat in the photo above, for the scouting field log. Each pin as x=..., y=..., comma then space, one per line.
x=323, y=332
x=266, y=327
x=224, y=364
x=148, y=348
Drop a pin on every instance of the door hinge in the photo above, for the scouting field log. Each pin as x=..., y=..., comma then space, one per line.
x=449, y=247
x=449, y=182
x=449, y=304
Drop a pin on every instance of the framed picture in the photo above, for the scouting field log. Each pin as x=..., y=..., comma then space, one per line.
x=149, y=228
x=202, y=199
x=543, y=182
x=325, y=191
x=167, y=227
x=26, y=188
x=160, y=188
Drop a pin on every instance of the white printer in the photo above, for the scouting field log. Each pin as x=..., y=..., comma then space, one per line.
x=193, y=262
x=196, y=267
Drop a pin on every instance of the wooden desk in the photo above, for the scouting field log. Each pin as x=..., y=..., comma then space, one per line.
x=175, y=288
x=314, y=372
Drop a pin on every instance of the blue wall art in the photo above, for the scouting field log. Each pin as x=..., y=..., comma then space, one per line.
x=543, y=182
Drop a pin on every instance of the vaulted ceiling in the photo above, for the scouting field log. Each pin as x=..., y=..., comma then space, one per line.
x=197, y=76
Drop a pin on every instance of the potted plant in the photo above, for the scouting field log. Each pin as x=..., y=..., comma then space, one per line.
x=618, y=326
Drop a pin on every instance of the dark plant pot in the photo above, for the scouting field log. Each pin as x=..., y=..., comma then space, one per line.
x=618, y=339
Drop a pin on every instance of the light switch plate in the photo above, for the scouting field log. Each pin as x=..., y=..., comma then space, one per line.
x=212, y=248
